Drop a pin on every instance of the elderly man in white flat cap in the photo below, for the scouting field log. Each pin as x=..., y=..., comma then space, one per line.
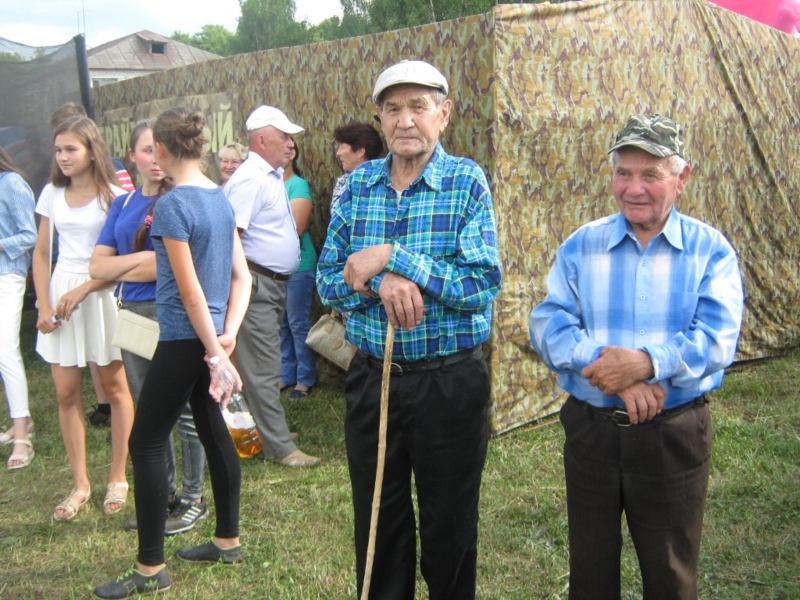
x=413, y=242
x=269, y=236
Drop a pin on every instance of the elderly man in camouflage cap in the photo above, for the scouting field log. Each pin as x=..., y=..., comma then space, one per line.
x=642, y=314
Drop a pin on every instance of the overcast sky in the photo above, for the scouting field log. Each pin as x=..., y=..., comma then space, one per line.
x=54, y=22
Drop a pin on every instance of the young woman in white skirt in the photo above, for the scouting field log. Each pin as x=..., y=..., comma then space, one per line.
x=77, y=314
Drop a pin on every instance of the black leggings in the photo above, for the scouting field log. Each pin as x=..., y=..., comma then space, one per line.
x=178, y=373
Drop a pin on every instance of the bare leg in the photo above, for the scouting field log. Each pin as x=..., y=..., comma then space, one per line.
x=115, y=385
x=69, y=390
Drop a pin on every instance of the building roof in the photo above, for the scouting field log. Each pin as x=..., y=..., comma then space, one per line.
x=136, y=52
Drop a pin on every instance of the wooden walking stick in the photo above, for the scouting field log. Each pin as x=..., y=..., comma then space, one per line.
x=376, y=494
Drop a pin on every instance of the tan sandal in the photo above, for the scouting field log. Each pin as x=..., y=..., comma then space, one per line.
x=7, y=436
x=116, y=493
x=23, y=459
x=72, y=504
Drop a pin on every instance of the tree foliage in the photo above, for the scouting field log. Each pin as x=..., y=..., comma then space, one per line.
x=10, y=57
x=266, y=24
x=212, y=38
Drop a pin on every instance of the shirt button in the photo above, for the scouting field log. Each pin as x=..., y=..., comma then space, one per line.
x=644, y=263
x=642, y=296
x=641, y=332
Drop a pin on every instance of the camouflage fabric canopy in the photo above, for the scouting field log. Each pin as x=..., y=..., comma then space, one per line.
x=539, y=92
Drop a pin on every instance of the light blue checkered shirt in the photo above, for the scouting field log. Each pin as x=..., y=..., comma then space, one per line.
x=17, y=224
x=443, y=232
x=680, y=300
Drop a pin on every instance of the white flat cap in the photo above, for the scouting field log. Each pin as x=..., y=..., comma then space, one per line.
x=269, y=115
x=410, y=71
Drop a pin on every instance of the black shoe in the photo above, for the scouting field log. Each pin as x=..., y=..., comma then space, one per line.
x=98, y=418
x=133, y=582
x=130, y=523
x=185, y=516
x=211, y=553
x=300, y=394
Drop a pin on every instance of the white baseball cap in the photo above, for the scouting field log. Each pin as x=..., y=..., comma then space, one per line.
x=269, y=115
x=410, y=71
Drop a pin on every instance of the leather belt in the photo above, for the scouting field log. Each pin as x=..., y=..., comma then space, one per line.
x=619, y=416
x=406, y=368
x=267, y=272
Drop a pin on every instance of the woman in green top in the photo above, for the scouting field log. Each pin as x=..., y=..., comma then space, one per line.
x=298, y=363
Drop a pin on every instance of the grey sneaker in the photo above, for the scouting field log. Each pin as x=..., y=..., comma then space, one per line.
x=210, y=552
x=185, y=516
x=131, y=524
x=133, y=582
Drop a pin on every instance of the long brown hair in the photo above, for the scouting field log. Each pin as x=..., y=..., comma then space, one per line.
x=7, y=164
x=103, y=171
x=165, y=185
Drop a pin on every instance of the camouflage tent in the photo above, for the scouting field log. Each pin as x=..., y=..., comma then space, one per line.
x=539, y=91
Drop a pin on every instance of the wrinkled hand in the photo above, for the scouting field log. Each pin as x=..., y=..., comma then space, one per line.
x=402, y=300
x=618, y=369
x=364, y=265
x=643, y=401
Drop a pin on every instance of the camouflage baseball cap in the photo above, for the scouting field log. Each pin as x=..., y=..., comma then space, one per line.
x=660, y=136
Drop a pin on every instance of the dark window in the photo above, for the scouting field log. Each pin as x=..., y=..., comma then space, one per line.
x=158, y=48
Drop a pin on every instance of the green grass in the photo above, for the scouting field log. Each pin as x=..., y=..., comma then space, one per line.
x=296, y=525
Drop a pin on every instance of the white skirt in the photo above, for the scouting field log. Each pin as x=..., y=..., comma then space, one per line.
x=87, y=336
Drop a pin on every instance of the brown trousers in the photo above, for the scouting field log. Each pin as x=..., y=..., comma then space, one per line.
x=657, y=472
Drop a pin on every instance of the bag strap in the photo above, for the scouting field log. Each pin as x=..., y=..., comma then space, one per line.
x=50, y=218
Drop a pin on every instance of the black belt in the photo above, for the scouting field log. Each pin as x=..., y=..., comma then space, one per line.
x=403, y=368
x=267, y=272
x=619, y=416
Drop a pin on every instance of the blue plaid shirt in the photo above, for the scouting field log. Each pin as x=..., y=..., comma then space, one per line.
x=443, y=232
x=17, y=225
x=680, y=300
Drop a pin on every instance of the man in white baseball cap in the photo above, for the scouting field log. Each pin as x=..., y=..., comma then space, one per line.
x=412, y=242
x=269, y=237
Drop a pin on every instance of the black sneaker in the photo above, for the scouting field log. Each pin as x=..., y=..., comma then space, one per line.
x=211, y=553
x=185, y=516
x=133, y=582
x=98, y=418
x=130, y=523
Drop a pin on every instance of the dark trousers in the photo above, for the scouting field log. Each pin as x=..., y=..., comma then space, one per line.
x=178, y=373
x=657, y=472
x=438, y=429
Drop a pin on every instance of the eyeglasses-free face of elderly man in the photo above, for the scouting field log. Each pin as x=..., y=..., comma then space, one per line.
x=412, y=118
x=645, y=188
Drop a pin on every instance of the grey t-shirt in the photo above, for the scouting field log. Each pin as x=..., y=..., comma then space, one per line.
x=203, y=218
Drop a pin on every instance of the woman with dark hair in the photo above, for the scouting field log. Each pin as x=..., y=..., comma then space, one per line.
x=356, y=143
x=298, y=364
x=17, y=237
x=203, y=286
x=76, y=206
x=125, y=253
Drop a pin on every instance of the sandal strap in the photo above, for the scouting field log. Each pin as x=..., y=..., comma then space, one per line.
x=24, y=443
x=71, y=505
x=114, y=495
